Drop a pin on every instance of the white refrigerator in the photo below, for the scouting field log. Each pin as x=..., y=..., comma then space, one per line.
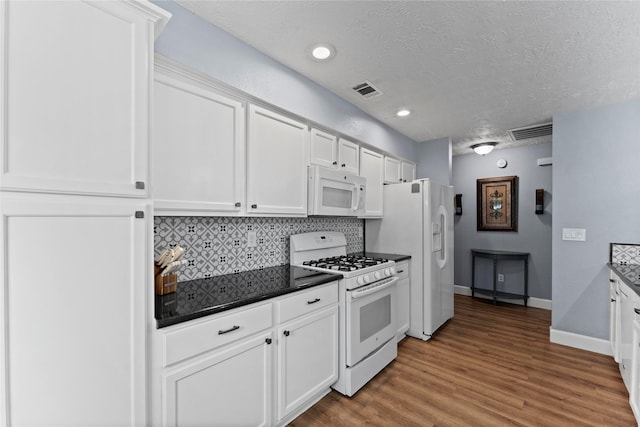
x=418, y=221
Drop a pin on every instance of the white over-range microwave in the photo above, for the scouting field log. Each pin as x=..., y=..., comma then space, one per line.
x=332, y=192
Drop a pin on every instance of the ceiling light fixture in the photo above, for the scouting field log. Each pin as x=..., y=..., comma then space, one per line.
x=403, y=113
x=484, y=147
x=323, y=51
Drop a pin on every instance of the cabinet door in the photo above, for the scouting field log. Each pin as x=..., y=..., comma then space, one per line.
x=73, y=310
x=349, y=156
x=323, y=149
x=197, y=151
x=613, y=318
x=372, y=168
x=404, y=299
x=307, y=358
x=277, y=155
x=408, y=170
x=75, y=100
x=391, y=170
x=231, y=387
x=626, y=332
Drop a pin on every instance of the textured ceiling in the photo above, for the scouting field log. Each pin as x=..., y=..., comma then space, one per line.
x=468, y=70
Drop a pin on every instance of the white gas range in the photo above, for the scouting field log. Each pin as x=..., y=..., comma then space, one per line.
x=367, y=304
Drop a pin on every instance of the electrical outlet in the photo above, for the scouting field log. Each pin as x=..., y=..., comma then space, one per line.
x=574, y=234
x=500, y=277
x=251, y=239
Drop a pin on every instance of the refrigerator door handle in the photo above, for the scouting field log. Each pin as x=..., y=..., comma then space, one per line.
x=442, y=258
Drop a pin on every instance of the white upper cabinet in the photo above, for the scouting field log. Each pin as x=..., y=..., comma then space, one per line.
x=408, y=171
x=348, y=156
x=392, y=172
x=277, y=156
x=197, y=150
x=75, y=95
x=323, y=149
x=372, y=168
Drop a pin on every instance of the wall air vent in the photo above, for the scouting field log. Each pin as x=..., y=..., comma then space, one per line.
x=367, y=90
x=528, y=132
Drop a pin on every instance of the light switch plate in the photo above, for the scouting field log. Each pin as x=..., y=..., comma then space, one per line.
x=574, y=234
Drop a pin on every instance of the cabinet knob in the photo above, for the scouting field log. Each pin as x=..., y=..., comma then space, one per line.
x=254, y=206
x=335, y=163
x=139, y=185
x=344, y=165
x=612, y=281
x=286, y=333
x=268, y=341
x=238, y=204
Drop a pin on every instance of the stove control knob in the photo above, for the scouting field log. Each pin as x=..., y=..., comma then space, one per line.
x=377, y=275
x=393, y=270
x=360, y=280
x=387, y=272
x=367, y=279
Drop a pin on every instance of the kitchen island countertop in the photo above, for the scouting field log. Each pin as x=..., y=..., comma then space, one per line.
x=203, y=297
x=392, y=257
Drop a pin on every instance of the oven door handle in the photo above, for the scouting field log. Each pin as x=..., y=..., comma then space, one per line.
x=359, y=293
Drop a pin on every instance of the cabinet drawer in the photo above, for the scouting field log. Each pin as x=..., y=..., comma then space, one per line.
x=195, y=339
x=306, y=302
x=402, y=269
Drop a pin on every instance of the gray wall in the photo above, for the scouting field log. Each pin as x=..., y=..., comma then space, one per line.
x=434, y=160
x=534, y=231
x=596, y=186
x=194, y=42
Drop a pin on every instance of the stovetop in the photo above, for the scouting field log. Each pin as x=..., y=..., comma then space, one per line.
x=345, y=262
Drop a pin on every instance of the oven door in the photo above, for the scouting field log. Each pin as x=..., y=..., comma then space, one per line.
x=371, y=313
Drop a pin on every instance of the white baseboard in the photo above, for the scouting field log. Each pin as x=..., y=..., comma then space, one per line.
x=583, y=342
x=533, y=302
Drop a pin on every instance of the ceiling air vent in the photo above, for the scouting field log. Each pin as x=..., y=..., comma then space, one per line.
x=367, y=90
x=529, y=132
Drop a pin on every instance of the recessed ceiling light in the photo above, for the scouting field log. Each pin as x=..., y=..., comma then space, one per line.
x=403, y=113
x=323, y=51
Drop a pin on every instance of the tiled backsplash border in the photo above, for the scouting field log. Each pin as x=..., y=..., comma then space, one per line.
x=218, y=245
x=624, y=253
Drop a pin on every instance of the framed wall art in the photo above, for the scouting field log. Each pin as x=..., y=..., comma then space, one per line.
x=498, y=203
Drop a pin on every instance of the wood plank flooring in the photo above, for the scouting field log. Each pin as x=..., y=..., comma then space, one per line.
x=488, y=366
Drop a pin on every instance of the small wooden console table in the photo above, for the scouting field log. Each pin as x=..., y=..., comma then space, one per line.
x=497, y=256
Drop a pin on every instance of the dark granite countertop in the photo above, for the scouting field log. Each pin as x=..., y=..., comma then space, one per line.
x=392, y=257
x=203, y=297
x=629, y=273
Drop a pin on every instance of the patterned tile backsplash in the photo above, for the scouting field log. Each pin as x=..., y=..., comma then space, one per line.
x=218, y=245
x=624, y=253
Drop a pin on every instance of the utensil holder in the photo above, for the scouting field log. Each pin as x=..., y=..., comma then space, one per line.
x=164, y=284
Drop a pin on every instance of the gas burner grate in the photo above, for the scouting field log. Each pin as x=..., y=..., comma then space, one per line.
x=345, y=263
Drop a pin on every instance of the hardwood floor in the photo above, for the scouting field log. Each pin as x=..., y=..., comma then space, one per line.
x=488, y=366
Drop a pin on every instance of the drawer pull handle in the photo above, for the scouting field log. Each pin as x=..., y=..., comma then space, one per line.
x=226, y=331
x=313, y=301
x=268, y=341
x=637, y=310
x=286, y=333
x=612, y=281
x=613, y=300
x=400, y=271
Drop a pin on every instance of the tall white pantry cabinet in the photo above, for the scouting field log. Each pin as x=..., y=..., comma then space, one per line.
x=75, y=92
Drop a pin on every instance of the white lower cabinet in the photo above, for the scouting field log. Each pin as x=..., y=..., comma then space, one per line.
x=231, y=387
x=73, y=311
x=626, y=331
x=258, y=365
x=404, y=299
x=307, y=359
